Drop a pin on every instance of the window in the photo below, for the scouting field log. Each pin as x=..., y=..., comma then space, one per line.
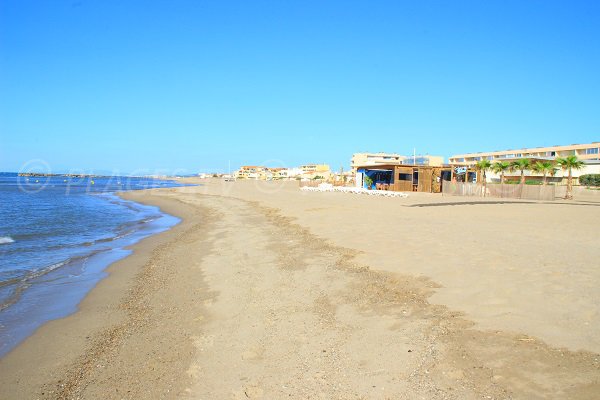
x=404, y=177
x=418, y=160
x=591, y=151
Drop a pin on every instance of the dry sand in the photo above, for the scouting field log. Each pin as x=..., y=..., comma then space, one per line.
x=267, y=292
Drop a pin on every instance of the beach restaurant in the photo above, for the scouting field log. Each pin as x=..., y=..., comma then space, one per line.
x=403, y=177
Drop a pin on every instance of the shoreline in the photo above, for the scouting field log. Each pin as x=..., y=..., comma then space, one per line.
x=250, y=297
x=100, y=310
x=76, y=276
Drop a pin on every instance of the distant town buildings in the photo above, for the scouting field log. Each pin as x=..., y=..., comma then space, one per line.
x=315, y=171
x=416, y=171
x=251, y=172
x=307, y=171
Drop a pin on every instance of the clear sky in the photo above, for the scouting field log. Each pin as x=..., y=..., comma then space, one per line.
x=190, y=85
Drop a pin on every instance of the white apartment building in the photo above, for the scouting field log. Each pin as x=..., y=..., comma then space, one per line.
x=362, y=159
x=372, y=159
x=588, y=151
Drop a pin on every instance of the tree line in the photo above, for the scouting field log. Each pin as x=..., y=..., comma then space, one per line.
x=568, y=163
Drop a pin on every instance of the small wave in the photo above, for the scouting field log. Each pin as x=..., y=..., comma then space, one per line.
x=6, y=240
x=19, y=285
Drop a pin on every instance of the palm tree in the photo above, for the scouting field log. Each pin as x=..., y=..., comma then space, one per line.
x=500, y=167
x=569, y=163
x=521, y=165
x=483, y=166
x=544, y=168
x=368, y=181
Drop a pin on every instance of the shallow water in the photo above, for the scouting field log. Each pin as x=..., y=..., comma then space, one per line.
x=57, y=235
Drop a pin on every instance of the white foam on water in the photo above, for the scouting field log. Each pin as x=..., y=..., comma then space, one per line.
x=6, y=240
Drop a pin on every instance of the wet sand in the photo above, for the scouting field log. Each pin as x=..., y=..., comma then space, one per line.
x=266, y=292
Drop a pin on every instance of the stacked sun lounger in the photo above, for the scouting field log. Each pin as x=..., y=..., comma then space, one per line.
x=327, y=187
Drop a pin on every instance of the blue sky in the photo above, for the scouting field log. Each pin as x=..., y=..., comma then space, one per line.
x=190, y=85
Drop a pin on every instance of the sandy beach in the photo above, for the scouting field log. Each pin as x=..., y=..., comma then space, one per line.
x=266, y=292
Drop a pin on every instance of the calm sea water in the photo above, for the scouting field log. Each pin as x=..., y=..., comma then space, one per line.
x=57, y=235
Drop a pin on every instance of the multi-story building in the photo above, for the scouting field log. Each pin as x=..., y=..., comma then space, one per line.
x=283, y=173
x=256, y=172
x=588, y=153
x=251, y=172
x=582, y=151
x=312, y=171
x=426, y=160
x=287, y=173
x=360, y=159
x=373, y=159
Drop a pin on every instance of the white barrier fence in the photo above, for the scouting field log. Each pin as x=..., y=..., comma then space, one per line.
x=511, y=191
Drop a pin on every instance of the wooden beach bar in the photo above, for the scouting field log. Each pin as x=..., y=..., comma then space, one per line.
x=404, y=177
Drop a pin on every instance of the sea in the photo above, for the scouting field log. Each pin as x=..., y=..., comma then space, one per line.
x=57, y=236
